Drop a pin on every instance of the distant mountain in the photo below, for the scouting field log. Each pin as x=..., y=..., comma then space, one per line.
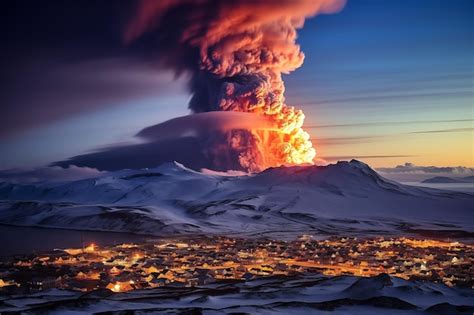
x=346, y=198
x=448, y=180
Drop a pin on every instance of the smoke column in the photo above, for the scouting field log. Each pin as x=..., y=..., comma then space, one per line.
x=236, y=53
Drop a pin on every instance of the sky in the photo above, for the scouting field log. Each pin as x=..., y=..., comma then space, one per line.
x=386, y=82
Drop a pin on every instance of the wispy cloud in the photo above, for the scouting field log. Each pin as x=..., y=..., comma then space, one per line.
x=384, y=123
x=387, y=97
x=328, y=141
x=67, y=90
x=345, y=140
x=412, y=172
x=50, y=174
x=444, y=130
x=350, y=157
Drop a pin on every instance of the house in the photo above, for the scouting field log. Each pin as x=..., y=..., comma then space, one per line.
x=119, y=286
x=158, y=282
x=248, y=276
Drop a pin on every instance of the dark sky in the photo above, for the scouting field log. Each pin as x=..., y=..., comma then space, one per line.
x=60, y=58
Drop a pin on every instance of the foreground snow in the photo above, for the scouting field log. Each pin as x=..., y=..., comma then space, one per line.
x=307, y=294
x=345, y=198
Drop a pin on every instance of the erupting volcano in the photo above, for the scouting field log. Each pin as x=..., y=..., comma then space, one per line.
x=236, y=53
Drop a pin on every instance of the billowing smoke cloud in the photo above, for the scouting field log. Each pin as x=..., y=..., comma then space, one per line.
x=236, y=53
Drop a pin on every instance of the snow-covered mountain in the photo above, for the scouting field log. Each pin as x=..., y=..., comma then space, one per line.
x=344, y=198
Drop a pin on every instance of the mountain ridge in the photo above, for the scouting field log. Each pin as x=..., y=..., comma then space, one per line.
x=346, y=197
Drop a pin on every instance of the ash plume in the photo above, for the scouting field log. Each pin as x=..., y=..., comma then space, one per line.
x=236, y=53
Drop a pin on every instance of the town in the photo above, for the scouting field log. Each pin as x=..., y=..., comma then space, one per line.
x=196, y=261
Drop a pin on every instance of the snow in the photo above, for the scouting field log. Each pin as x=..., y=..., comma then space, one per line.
x=347, y=197
x=305, y=294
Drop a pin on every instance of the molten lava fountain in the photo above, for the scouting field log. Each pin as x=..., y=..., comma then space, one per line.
x=236, y=53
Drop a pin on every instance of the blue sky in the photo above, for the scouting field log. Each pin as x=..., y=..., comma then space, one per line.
x=396, y=74
x=390, y=61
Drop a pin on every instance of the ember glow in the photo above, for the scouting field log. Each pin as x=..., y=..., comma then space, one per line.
x=236, y=54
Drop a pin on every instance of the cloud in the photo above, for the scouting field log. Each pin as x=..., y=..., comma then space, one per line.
x=445, y=130
x=328, y=141
x=65, y=58
x=236, y=53
x=345, y=140
x=350, y=157
x=49, y=174
x=197, y=141
x=207, y=122
x=385, y=98
x=412, y=168
x=48, y=91
x=411, y=172
x=385, y=123
x=188, y=150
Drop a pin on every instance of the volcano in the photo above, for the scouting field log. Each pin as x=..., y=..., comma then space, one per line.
x=345, y=198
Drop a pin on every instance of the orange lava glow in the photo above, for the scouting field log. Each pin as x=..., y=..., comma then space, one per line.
x=290, y=145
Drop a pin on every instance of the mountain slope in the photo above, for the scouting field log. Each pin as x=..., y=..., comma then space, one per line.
x=347, y=197
x=302, y=294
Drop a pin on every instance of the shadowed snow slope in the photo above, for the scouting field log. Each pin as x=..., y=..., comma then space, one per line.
x=303, y=294
x=347, y=197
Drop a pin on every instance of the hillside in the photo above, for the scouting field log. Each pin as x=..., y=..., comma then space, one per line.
x=347, y=197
